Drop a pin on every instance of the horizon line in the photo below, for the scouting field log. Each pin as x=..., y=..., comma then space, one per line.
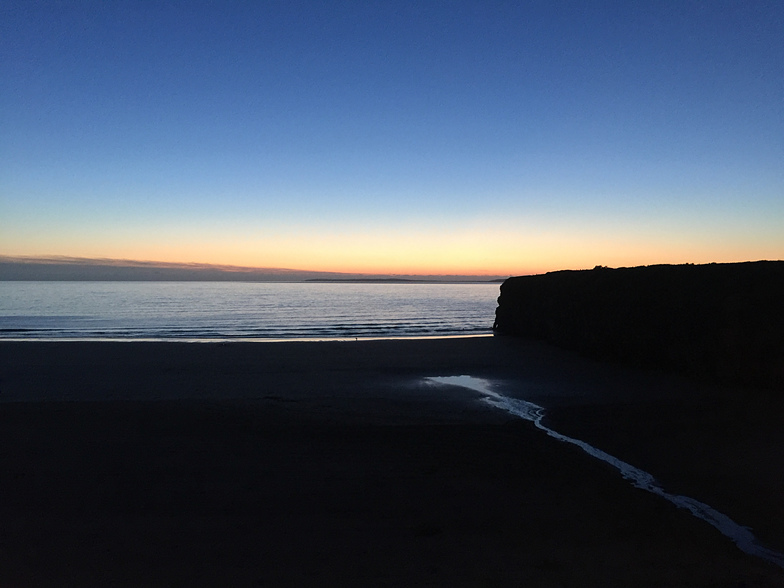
x=38, y=264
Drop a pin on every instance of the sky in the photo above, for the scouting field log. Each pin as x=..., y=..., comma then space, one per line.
x=403, y=137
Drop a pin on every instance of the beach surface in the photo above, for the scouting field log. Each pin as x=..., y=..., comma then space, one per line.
x=340, y=463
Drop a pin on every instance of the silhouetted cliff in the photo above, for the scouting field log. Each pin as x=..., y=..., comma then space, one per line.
x=719, y=322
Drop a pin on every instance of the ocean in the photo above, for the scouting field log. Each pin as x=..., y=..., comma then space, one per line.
x=210, y=311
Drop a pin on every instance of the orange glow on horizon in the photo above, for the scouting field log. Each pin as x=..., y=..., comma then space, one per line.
x=478, y=253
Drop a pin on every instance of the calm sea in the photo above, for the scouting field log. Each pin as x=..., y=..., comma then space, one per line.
x=234, y=310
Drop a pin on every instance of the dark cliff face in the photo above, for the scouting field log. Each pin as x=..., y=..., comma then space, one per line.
x=718, y=322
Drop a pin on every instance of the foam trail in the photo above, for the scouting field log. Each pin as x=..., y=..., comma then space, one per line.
x=740, y=535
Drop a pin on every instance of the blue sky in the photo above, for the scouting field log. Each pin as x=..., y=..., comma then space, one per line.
x=432, y=137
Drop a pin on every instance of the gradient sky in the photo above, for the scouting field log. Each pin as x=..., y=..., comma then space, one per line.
x=393, y=137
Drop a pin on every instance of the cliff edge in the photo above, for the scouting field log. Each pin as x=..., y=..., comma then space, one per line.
x=716, y=322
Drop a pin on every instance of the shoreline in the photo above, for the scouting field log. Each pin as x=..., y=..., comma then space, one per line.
x=235, y=339
x=312, y=463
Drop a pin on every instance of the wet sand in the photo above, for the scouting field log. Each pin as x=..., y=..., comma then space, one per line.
x=314, y=464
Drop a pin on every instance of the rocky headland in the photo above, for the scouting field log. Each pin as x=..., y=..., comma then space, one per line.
x=715, y=322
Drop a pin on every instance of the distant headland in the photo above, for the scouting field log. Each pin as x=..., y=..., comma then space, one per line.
x=423, y=280
x=718, y=322
x=61, y=268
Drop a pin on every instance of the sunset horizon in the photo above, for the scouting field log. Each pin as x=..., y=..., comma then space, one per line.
x=296, y=273
x=445, y=138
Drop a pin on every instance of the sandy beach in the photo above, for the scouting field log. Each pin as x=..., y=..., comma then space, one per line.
x=338, y=463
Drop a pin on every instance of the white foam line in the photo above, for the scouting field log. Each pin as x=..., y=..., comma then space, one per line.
x=740, y=535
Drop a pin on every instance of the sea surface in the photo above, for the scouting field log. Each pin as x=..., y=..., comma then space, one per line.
x=240, y=310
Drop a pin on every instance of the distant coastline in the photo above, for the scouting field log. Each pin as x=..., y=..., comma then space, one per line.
x=463, y=279
x=60, y=268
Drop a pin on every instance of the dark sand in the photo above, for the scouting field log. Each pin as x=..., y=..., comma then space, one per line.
x=315, y=464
